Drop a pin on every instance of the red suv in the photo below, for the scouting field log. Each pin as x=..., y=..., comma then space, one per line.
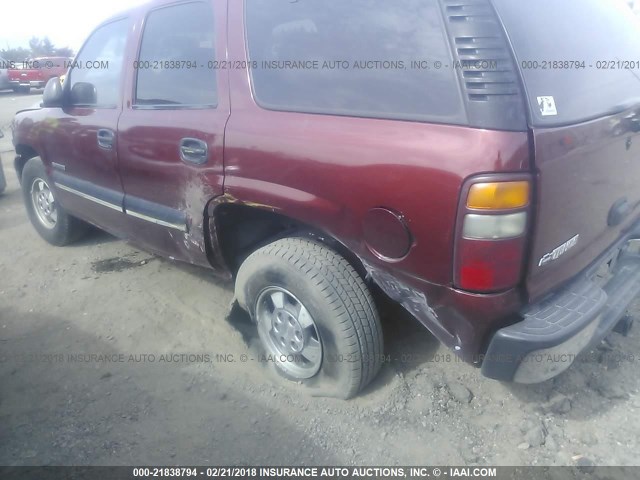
x=477, y=162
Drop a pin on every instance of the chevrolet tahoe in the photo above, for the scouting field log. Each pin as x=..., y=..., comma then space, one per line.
x=477, y=162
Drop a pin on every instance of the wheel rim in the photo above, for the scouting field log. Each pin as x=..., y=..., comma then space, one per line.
x=289, y=333
x=44, y=203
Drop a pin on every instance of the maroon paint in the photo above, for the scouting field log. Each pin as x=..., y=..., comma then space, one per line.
x=329, y=171
x=326, y=171
x=150, y=163
x=386, y=234
x=573, y=177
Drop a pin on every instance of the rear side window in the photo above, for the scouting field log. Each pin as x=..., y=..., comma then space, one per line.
x=100, y=85
x=370, y=58
x=580, y=59
x=177, y=57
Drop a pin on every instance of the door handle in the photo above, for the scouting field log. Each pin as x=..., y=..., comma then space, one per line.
x=105, y=138
x=194, y=151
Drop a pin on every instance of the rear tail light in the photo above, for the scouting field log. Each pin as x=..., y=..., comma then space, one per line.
x=498, y=195
x=492, y=226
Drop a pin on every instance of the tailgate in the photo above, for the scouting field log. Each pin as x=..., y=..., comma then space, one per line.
x=24, y=76
x=580, y=65
x=14, y=75
x=588, y=193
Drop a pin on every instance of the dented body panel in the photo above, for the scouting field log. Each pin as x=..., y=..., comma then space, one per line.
x=325, y=172
x=330, y=171
x=385, y=193
x=155, y=199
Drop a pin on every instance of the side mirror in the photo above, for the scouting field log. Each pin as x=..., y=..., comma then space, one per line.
x=84, y=93
x=52, y=96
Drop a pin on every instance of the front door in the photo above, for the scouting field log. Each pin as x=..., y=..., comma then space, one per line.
x=170, y=135
x=82, y=150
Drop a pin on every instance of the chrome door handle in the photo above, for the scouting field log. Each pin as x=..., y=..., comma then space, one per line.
x=194, y=151
x=106, y=138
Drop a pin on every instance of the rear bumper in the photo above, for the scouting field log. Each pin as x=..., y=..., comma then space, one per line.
x=27, y=83
x=554, y=331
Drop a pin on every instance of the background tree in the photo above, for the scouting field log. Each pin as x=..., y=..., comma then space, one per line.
x=15, y=54
x=65, y=52
x=41, y=47
x=38, y=47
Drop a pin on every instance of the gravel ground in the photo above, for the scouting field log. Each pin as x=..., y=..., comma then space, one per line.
x=111, y=356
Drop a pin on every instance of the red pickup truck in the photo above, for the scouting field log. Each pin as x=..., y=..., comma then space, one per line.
x=37, y=72
x=477, y=162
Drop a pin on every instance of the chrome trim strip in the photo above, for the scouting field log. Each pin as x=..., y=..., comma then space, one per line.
x=142, y=216
x=133, y=213
x=90, y=198
x=58, y=166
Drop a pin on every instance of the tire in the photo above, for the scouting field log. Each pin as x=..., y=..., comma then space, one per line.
x=25, y=89
x=343, y=315
x=61, y=230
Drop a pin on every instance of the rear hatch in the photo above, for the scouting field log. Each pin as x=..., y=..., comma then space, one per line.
x=580, y=64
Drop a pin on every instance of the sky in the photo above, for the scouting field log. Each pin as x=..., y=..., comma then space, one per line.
x=67, y=23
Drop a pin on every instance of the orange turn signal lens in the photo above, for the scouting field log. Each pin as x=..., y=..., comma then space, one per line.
x=498, y=195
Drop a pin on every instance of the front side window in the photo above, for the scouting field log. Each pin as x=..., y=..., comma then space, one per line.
x=176, y=64
x=371, y=58
x=97, y=71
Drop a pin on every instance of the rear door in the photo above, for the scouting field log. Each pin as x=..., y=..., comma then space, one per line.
x=580, y=61
x=170, y=136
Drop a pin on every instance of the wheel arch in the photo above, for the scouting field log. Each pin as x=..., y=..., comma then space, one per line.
x=24, y=153
x=238, y=229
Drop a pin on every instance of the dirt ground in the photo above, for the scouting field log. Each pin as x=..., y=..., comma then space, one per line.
x=111, y=356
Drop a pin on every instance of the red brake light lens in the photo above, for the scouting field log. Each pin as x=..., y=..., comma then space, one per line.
x=489, y=265
x=491, y=242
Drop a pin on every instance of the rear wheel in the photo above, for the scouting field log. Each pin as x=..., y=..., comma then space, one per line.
x=50, y=220
x=315, y=316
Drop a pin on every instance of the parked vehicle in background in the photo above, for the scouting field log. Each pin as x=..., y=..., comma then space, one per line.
x=37, y=72
x=4, y=74
x=317, y=152
x=3, y=181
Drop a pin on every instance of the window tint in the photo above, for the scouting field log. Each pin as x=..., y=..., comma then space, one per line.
x=104, y=51
x=176, y=57
x=353, y=57
x=580, y=59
